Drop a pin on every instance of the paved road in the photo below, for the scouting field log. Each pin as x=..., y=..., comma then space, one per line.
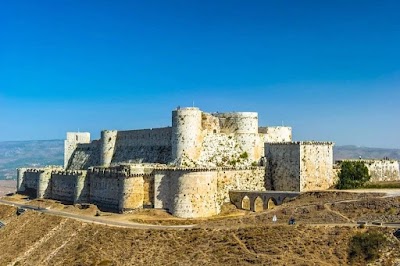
x=97, y=220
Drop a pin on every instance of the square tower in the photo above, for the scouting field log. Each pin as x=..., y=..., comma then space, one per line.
x=300, y=166
x=73, y=139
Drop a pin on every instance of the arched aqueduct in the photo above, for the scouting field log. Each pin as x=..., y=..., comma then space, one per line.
x=257, y=201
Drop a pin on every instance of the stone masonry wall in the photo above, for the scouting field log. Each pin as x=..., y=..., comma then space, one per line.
x=70, y=186
x=84, y=156
x=35, y=182
x=383, y=170
x=236, y=179
x=222, y=150
x=200, y=192
x=380, y=170
x=276, y=134
x=283, y=166
x=147, y=146
x=193, y=194
x=71, y=142
x=105, y=189
x=195, y=139
x=238, y=122
x=316, y=166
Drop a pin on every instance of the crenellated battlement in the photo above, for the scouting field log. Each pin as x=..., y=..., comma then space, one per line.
x=302, y=143
x=69, y=172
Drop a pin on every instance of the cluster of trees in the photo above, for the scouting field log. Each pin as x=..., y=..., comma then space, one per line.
x=353, y=174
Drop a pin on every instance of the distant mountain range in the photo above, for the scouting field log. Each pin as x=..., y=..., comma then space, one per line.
x=352, y=152
x=35, y=153
x=14, y=154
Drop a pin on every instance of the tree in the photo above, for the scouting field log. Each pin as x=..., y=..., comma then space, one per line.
x=366, y=247
x=353, y=174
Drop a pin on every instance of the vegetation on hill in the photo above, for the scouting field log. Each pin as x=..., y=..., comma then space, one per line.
x=321, y=236
x=353, y=174
x=366, y=246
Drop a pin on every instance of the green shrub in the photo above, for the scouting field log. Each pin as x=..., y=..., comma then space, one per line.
x=244, y=155
x=353, y=174
x=366, y=246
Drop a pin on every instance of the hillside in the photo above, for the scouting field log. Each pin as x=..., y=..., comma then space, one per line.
x=321, y=237
x=14, y=154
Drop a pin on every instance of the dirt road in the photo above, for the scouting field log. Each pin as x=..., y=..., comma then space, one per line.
x=97, y=220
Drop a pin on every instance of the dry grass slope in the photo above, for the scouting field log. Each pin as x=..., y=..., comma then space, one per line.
x=252, y=239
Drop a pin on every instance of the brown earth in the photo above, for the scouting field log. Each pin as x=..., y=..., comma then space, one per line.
x=321, y=236
x=7, y=186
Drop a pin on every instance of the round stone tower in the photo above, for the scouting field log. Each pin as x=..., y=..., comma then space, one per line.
x=244, y=125
x=107, y=146
x=247, y=122
x=239, y=123
x=186, y=137
x=195, y=194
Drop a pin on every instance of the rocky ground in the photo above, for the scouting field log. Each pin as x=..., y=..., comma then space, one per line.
x=325, y=225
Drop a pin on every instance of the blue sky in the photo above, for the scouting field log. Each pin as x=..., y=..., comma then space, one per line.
x=329, y=69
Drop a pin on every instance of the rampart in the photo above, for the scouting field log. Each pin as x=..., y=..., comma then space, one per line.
x=381, y=170
x=185, y=192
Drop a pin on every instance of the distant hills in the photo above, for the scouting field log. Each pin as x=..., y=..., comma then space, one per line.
x=14, y=154
x=351, y=152
x=36, y=153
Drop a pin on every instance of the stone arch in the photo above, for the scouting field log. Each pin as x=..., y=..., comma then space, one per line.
x=271, y=203
x=284, y=199
x=246, y=203
x=258, y=204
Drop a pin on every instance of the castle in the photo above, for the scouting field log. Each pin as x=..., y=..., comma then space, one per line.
x=187, y=169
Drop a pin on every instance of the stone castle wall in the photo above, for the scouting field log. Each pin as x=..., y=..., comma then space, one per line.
x=72, y=141
x=283, y=166
x=85, y=155
x=200, y=192
x=238, y=122
x=143, y=146
x=184, y=192
x=300, y=166
x=69, y=186
x=276, y=134
x=196, y=139
x=136, y=146
x=380, y=170
x=252, y=178
x=383, y=170
x=316, y=166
